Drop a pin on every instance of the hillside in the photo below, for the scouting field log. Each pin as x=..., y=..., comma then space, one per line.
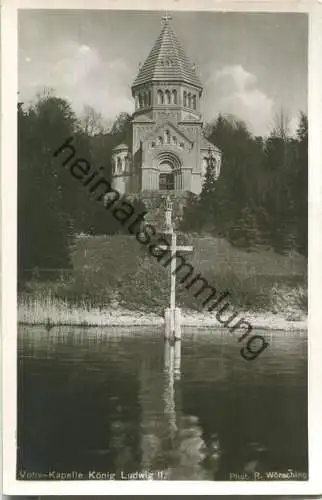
x=118, y=271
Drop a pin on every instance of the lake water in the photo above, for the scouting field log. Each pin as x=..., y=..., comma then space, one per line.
x=112, y=401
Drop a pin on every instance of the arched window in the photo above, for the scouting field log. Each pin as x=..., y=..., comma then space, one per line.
x=140, y=100
x=174, y=96
x=126, y=163
x=167, y=97
x=194, y=102
x=174, y=140
x=189, y=100
x=160, y=97
x=185, y=98
x=167, y=137
x=153, y=144
x=119, y=165
x=159, y=141
x=150, y=97
x=137, y=104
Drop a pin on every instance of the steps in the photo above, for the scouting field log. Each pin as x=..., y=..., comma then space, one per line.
x=155, y=202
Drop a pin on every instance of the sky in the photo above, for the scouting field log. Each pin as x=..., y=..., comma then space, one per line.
x=251, y=64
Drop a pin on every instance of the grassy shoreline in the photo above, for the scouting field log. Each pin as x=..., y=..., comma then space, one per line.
x=114, y=282
x=54, y=312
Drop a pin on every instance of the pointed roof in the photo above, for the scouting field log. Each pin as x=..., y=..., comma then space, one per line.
x=167, y=60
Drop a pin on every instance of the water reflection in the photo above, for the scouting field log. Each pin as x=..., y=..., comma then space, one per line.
x=124, y=402
x=188, y=452
x=172, y=371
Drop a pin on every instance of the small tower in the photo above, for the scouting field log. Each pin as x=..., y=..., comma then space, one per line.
x=121, y=168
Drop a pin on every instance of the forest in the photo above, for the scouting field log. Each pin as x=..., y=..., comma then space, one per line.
x=259, y=200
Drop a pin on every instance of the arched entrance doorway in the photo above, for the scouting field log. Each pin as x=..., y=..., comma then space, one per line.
x=166, y=182
x=166, y=177
x=170, y=177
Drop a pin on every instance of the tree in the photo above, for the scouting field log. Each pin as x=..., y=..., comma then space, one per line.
x=92, y=122
x=122, y=128
x=279, y=199
x=301, y=185
x=281, y=126
x=236, y=188
x=44, y=197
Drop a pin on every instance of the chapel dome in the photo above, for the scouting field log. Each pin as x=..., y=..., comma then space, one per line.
x=167, y=61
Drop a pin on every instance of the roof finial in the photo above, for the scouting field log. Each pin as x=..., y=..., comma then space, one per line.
x=166, y=17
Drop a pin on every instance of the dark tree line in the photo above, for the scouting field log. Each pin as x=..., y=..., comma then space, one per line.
x=260, y=197
x=52, y=207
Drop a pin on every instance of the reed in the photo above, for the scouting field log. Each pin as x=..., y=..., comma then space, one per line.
x=115, y=278
x=51, y=311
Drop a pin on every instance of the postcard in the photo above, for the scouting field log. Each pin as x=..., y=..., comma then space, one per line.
x=161, y=247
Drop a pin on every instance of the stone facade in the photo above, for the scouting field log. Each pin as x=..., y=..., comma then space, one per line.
x=168, y=151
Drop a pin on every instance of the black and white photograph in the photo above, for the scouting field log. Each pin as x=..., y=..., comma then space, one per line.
x=162, y=246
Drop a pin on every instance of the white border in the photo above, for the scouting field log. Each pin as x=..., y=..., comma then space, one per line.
x=9, y=239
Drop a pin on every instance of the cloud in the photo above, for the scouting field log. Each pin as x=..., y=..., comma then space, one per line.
x=71, y=70
x=241, y=78
x=81, y=75
x=85, y=75
x=234, y=90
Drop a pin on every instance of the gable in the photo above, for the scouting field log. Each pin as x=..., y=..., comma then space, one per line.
x=166, y=130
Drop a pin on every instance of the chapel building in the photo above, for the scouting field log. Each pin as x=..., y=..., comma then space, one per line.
x=168, y=151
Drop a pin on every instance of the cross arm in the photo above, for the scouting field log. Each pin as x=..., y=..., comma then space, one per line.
x=181, y=248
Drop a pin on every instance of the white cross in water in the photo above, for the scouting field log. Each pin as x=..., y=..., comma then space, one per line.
x=174, y=248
